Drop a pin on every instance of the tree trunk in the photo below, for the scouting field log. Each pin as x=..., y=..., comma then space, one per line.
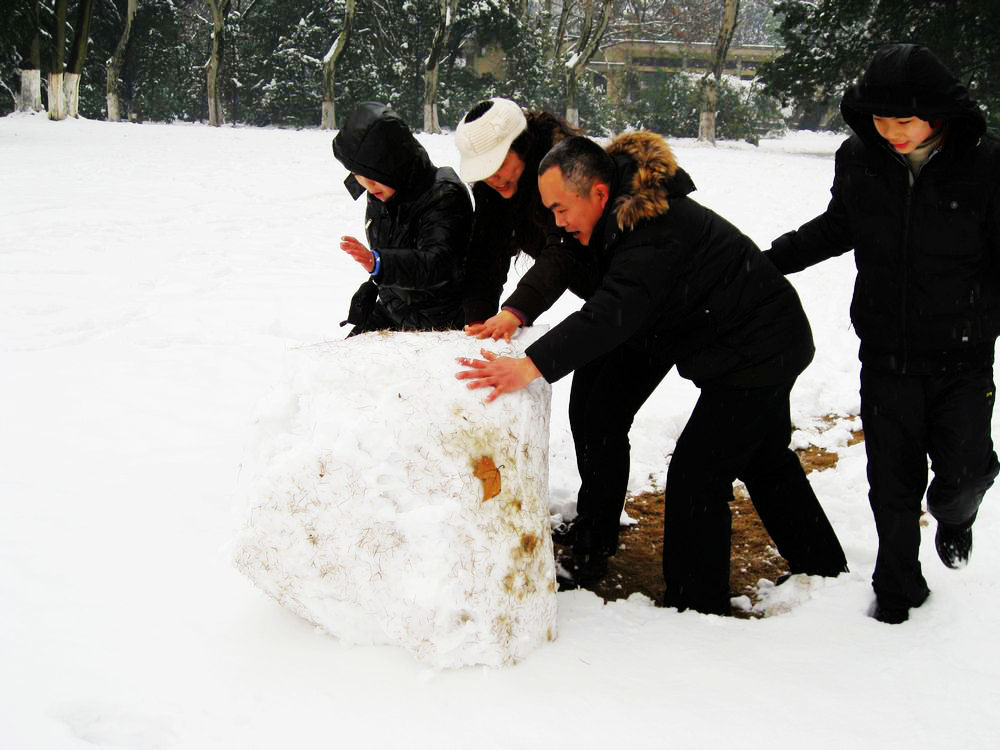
x=431, y=124
x=35, y=52
x=709, y=105
x=57, y=108
x=31, y=91
x=30, y=97
x=710, y=85
x=77, y=57
x=572, y=110
x=114, y=66
x=446, y=17
x=57, y=99
x=329, y=120
x=583, y=52
x=220, y=9
x=71, y=94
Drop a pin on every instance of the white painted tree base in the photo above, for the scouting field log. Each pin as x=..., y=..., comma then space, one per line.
x=385, y=528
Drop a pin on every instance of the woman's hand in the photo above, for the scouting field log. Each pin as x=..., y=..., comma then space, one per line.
x=503, y=325
x=359, y=252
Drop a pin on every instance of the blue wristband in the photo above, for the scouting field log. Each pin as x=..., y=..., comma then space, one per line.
x=378, y=262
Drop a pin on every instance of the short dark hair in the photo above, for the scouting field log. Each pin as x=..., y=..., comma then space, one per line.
x=581, y=161
x=478, y=111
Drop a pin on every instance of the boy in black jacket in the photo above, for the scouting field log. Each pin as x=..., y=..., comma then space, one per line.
x=678, y=285
x=916, y=194
x=418, y=222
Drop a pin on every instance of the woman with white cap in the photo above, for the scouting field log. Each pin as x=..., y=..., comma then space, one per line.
x=500, y=147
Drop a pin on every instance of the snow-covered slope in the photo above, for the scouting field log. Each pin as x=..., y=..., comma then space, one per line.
x=154, y=281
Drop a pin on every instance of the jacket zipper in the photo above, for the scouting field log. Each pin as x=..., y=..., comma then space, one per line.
x=906, y=269
x=907, y=214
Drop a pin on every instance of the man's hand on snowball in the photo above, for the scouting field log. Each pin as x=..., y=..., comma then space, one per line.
x=503, y=325
x=359, y=252
x=502, y=374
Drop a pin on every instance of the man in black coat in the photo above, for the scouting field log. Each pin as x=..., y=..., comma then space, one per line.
x=916, y=195
x=417, y=221
x=679, y=285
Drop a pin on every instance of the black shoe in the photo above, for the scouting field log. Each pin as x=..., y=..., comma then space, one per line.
x=953, y=544
x=582, y=570
x=890, y=615
x=564, y=533
x=720, y=608
x=894, y=613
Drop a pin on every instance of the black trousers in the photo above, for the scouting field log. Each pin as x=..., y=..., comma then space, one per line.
x=379, y=319
x=738, y=433
x=604, y=399
x=907, y=418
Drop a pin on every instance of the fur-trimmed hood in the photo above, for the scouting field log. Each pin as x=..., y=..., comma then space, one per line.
x=648, y=176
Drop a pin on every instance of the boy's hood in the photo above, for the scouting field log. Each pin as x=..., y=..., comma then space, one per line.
x=905, y=80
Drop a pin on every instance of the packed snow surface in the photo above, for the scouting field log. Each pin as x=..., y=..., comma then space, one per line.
x=156, y=284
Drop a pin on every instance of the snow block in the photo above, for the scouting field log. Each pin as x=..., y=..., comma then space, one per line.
x=389, y=504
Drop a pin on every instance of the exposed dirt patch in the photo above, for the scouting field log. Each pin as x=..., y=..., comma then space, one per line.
x=636, y=567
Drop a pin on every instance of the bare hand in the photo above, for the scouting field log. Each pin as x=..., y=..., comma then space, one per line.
x=359, y=252
x=502, y=374
x=503, y=325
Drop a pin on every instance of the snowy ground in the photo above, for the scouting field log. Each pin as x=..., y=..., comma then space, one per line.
x=154, y=281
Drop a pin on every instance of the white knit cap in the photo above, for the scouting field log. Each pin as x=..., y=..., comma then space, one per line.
x=484, y=142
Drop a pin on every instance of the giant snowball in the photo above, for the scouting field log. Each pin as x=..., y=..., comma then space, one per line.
x=388, y=503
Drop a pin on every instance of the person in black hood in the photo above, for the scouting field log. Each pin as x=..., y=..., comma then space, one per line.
x=678, y=285
x=916, y=195
x=417, y=221
x=499, y=147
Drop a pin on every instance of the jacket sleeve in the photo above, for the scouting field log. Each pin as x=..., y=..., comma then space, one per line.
x=486, y=268
x=547, y=278
x=826, y=236
x=442, y=241
x=638, y=285
x=993, y=221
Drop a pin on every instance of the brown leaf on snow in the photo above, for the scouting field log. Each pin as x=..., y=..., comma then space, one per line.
x=487, y=472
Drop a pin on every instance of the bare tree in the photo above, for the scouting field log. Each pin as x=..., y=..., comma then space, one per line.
x=447, y=12
x=638, y=22
x=709, y=84
x=57, y=105
x=213, y=68
x=30, y=99
x=588, y=40
x=77, y=57
x=114, y=65
x=643, y=20
x=329, y=121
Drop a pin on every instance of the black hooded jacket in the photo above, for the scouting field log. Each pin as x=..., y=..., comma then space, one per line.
x=421, y=233
x=503, y=227
x=927, y=293
x=680, y=281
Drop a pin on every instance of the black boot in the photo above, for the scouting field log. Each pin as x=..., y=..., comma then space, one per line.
x=592, y=546
x=890, y=615
x=894, y=612
x=954, y=544
x=584, y=569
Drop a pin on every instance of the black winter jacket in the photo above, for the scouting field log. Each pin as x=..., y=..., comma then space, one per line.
x=503, y=227
x=681, y=282
x=927, y=292
x=421, y=233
